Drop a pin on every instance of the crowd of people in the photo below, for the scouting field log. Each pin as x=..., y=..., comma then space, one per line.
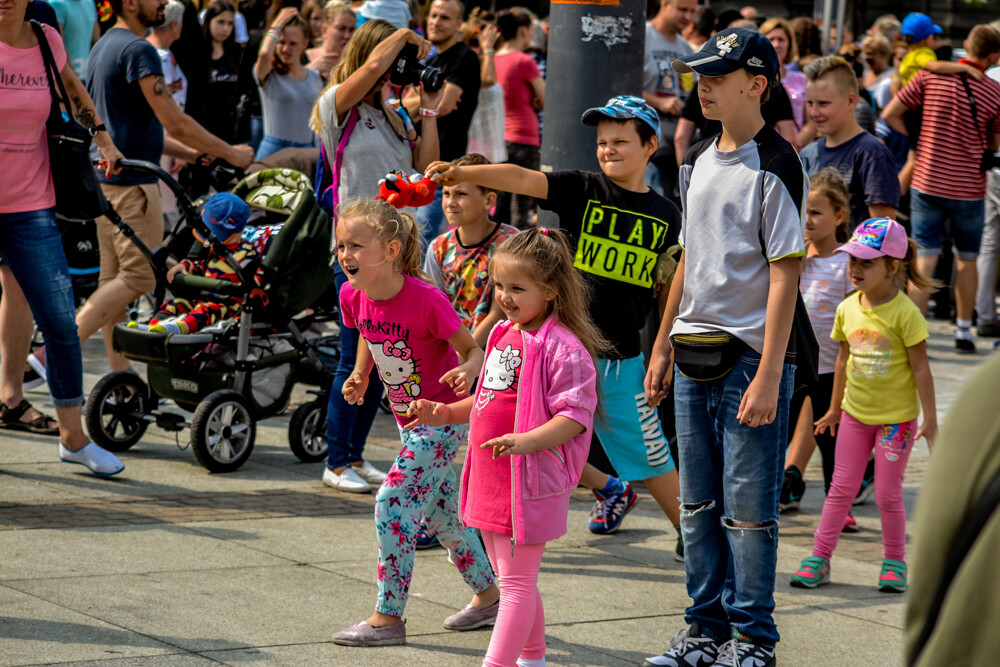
x=827, y=186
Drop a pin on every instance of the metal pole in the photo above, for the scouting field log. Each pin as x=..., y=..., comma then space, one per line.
x=595, y=52
x=827, y=20
x=841, y=17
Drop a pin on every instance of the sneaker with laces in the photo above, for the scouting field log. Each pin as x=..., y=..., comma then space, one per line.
x=893, y=577
x=425, y=539
x=348, y=481
x=792, y=489
x=31, y=379
x=814, y=571
x=607, y=515
x=741, y=651
x=688, y=648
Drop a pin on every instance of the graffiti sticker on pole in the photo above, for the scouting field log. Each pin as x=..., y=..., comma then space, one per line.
x=608, y=29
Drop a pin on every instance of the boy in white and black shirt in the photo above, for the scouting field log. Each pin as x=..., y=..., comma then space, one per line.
x=726, y=327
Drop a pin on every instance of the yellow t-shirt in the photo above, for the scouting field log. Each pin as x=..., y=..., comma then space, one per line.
x=914, y=61
x=880, y=385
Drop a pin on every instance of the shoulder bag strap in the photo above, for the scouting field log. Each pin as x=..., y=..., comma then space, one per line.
x=59, y=96
x=972, y=525
x=972, y=105
x=338, y=157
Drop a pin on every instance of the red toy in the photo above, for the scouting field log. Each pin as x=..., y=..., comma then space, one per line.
x=400, y=191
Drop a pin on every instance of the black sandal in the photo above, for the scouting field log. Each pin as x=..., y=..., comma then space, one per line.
x=10, y=418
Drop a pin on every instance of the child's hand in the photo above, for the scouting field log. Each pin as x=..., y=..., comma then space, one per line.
x=975, y=73
x=760, y=403
x=828, y=421
x=444, y=173
x=928, y=431
x=427, y=413
x=458, y=379
x=355, y=387
x=180, y=267
x=505, y=445
x=658, y=378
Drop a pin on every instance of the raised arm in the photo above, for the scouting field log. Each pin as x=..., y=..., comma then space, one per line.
x=269, y=44
x=361, y=82
x=505, y=177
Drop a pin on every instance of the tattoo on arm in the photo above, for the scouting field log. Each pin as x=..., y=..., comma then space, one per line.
x=85, y=115
x=160, y=86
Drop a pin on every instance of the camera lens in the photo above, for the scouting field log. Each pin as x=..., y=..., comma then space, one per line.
x=432, y=79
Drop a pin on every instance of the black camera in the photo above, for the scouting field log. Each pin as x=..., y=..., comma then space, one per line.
x=407, y=71
x=989, y=161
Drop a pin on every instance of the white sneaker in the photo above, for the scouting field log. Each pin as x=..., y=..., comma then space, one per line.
x=369, y=473
x=348, y=481
x=101, y=462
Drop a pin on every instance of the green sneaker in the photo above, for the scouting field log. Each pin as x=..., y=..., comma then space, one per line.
x=893, y=577
x=814, y=571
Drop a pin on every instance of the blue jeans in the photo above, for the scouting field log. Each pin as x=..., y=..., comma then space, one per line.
x=730, y=474
x=430, y=218
x=347, y=425
x=32, y=247
x=256, y=131
x=928, y=214
x=270, y=145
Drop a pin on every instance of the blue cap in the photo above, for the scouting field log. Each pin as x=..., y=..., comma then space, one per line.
x=624, y=107
x=225, y=214
x=730, y=50
x=920, y=27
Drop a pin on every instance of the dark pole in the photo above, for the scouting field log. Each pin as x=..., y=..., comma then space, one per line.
x=595, y=52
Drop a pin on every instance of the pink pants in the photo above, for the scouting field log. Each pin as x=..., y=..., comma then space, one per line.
x=520, y=628
x=893, y=444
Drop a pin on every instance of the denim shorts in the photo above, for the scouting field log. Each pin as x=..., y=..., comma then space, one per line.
x=928, y=214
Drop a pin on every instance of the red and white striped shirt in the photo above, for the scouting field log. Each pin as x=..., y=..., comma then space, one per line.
x=951, y=144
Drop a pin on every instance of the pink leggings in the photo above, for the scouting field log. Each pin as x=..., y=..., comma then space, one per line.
x=520, y=628
x=893, y=444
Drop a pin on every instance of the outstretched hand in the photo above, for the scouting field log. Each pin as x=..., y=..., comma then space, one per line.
x=444, y=173
x=828, y=421
x=355, y=387
x=427, y=413
x=506, y=445
x=458, y=379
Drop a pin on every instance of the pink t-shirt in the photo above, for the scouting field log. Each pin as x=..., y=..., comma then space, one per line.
x=515, y=72
x=488, y=504
x=408, y=338
x=24, y=150
x=824, y=284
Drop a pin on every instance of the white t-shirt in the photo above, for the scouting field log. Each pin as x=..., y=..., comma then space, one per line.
x=658, y=77
x=173, y=77
x=824, y=284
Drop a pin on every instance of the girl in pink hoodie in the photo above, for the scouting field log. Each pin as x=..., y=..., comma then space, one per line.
x=530, y=428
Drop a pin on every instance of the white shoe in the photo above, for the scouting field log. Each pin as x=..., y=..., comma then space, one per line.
x=369, y=473
x=38, y=366
x=101, y=462
x=348, y=481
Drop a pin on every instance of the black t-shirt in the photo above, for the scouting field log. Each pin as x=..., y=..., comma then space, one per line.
x=617, y=236
x=41, y=12
x=777, y=108
x=215, y=98
x=460, y=66
x=116, y=64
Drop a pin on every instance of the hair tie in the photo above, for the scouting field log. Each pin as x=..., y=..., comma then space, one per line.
x=544, y=230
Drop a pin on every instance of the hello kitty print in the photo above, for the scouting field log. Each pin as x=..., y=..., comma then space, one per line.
x=408, y=340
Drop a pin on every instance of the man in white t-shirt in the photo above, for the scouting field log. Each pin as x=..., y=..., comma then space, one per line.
x=664, y=89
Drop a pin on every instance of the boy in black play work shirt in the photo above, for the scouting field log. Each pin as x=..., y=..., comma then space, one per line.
x=620, y=229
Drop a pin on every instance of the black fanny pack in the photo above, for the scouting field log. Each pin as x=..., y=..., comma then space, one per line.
x=706, y=356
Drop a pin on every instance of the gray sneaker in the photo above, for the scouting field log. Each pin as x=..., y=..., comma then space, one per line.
x=471, y=618
x=363, y=634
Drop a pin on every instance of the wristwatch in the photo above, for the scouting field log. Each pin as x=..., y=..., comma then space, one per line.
x=97, y=128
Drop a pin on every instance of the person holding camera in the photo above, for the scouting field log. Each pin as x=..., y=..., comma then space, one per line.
x=379, y=139
x=959, y=133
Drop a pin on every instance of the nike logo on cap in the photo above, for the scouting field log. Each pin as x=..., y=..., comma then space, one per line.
x=755, y=62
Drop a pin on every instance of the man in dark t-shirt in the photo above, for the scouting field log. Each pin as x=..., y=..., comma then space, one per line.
x=459, y=66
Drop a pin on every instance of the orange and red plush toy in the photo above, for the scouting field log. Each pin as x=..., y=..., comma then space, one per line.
x=400, y=191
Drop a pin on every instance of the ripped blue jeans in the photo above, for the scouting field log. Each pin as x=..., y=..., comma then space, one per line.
x=730, y=476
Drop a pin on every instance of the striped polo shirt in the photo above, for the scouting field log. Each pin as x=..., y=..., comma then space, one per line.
x=951, y=144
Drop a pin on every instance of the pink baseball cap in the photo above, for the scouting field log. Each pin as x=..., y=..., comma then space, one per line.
x=875, y=238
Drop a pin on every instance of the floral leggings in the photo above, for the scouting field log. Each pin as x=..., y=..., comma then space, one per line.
x=422, y=486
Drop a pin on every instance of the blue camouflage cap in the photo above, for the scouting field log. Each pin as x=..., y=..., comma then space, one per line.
x=225, y=214
x=624, y=107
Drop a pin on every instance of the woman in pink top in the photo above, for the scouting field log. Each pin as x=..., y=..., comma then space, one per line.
x=30, y=242
x=524, y=93
x=531, y=423
x=779, y=32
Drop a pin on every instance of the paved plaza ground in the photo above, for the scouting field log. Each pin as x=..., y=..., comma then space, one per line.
x=170, y=565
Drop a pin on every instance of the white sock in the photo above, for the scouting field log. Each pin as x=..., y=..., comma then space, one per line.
x=963, y=333
x=963, y=324
x=528, y=662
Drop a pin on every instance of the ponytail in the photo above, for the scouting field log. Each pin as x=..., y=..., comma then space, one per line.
x=909, y=273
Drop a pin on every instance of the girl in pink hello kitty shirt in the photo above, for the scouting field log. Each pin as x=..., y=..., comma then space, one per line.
x=412, y=334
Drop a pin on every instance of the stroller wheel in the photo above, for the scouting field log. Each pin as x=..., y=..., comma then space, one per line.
x=223, y=431
x=307, y=432
x=115, y=411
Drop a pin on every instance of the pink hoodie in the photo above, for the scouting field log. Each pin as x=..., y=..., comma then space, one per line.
x=557, y=379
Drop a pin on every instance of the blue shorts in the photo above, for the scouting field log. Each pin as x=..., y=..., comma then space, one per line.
x=629, y=429
x=928, y=214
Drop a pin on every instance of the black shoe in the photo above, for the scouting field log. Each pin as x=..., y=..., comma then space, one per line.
x=989, y=330
x=738, y=653
x=688, y=648
x=679, y=549
x=965, y=346
x=792, y=489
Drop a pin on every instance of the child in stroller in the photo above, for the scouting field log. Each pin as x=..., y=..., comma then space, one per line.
x=226, y=215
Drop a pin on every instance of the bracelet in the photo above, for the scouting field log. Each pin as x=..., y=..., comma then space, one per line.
x=273, y=32
x=431, y=113
x=97, y=128
x=489, y=52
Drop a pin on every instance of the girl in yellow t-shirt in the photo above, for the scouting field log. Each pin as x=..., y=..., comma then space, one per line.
x=881, y=371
